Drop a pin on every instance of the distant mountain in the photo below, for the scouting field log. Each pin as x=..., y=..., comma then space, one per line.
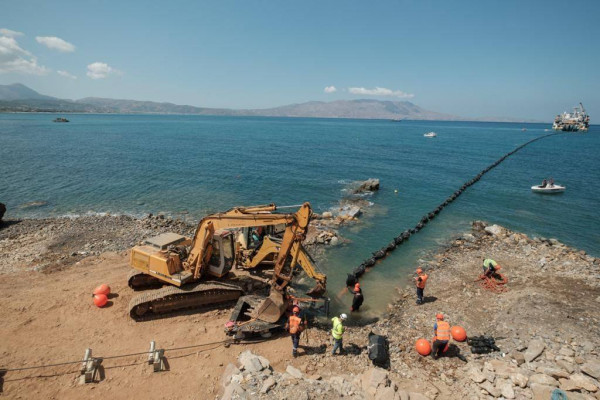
x=18, y=91
x=20, y=98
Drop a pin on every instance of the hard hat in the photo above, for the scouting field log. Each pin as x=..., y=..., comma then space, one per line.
x=343, y=316
x=439, y=316
x=357, y=286
x=419, y=270
x=296, y=309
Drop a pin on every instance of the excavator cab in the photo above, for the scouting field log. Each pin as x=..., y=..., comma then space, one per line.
x=223, y=255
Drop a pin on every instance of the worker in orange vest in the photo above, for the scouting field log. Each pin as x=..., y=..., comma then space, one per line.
x=295, y=326
x=420, y=281
x=442, y=336
x=358, y=298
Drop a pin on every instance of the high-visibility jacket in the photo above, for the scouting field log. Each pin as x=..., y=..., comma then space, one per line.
x=295, y=324
x=338, y=329
x=421, y=283
x=488, y=261
x=443, y=331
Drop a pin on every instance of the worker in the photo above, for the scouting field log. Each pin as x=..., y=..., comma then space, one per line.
x=338, y=332
x=489, y=267
x=295, y=326
x=441, y=329
x=420, y=281
x=358, y=298
x=258, y=235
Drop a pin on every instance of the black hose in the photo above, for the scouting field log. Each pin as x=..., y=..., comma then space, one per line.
x=403, y=237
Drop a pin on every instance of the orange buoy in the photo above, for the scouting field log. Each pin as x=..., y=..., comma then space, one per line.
x=102, y=289
x=423, y=347
x=458, y=333
x=100, y=300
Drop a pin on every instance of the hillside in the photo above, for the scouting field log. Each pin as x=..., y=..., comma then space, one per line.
x=19, y=98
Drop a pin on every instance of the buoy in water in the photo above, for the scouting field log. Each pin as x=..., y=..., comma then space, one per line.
x=423, y=347
x=100, y=300
x=458, y=333
x=102, y=289
x=395, y=190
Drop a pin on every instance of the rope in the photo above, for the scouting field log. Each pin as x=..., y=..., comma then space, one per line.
x=3, y=370
x=493, y=284
x=405, y=235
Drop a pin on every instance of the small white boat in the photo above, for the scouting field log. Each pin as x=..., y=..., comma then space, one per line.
x=430, y=134
x=548, y=189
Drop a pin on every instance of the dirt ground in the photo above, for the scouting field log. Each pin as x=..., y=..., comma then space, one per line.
x=48, y=317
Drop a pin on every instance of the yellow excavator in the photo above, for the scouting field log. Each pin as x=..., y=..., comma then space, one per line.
x=219, y=244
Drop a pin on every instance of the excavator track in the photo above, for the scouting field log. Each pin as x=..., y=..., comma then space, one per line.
x=171, y=299
x=138, y=280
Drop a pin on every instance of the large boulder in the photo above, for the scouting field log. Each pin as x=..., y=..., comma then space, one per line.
x=534, y=349
x=370, y=185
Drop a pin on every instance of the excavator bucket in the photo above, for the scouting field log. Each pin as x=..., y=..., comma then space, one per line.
x=317, y=291
x=272, y=308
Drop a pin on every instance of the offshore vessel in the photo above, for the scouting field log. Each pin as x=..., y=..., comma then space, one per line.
x=576, y=121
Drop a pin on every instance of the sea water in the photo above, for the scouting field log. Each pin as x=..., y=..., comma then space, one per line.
x=190, y=166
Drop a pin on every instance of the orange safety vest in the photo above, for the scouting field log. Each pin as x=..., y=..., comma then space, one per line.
x=421, y=284
x=295, y=324
x=443, y=331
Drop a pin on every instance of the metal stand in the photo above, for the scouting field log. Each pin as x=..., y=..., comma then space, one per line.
x=89, y=367
x=156, y=357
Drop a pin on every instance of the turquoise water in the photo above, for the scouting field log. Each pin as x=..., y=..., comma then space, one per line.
x=188, y=166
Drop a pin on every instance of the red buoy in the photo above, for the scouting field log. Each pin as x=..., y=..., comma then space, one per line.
x=423, y=347
x=458, y=333
x=100, y=300
x=102, y=289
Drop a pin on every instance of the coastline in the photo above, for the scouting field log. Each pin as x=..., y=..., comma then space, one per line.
x=553, y=297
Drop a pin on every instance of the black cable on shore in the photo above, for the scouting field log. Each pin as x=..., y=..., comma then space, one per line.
x=405, y=235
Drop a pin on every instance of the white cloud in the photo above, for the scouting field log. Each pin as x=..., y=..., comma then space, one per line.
x=8, y=32
x=13, y=58
x=330, y=89
x=380, y=92
x=55, y=43
x=66, y=74
x=100, y=70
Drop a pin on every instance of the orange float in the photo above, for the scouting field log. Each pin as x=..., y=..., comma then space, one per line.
x=458, y=333
x=100, y=300
x=423, y=347
x=102, y=289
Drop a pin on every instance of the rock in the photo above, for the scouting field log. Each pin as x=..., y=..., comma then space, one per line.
x=233, y=391
x=506, y=388
x=494, y=230
x=293, y=371
x=543, y=379
x=267, y=385
x=230, y=370
x=250, y=362
x=372, y=379
x=591, y=368
x=541, y=392
x=517, y=356
x=401, y=395
x=327, y=215
x=385, y=393
x=578, y=382
x=553, y=372
x=478, y=225
x=476, y=375
x=2, y=210
x=417, y=396
x=488, y=387
x=370, y=185
x=502, y=368
x=349, y=212
x=534, y=349
x=334, y=241
x=519, y=379
x=567, y=352
x=567, y=366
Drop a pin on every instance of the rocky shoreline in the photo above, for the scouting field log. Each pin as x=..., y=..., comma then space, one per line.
x=546, y=324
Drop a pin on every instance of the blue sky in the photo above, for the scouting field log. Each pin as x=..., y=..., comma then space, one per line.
x=522, y=59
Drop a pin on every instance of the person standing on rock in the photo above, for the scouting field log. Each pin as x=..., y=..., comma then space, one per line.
x=420, y=281
x=441, y=329
x=358, y=298
x=489, y=267
x=295, y=326
x=338, y=332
